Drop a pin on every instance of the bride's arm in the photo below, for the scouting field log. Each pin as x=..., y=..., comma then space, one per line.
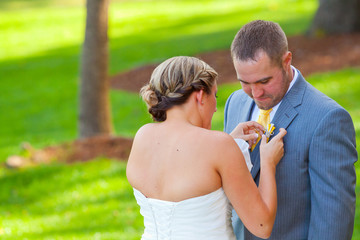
x=256, y=207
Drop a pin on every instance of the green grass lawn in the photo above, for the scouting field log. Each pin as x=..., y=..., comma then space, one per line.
x=39, y=70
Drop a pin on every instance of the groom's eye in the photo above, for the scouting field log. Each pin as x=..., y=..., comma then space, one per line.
x=265, y=80
x=242, y=82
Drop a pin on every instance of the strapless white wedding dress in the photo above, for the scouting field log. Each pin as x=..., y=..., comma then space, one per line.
x=206, y=217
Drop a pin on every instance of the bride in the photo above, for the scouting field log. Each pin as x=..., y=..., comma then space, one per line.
x=186, y=177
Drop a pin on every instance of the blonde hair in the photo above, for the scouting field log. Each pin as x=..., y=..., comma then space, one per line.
x=173, y=81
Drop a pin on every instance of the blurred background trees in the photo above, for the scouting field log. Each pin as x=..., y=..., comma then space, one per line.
x=336, y=16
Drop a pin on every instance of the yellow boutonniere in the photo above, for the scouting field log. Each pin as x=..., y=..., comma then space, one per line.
x=269, y=131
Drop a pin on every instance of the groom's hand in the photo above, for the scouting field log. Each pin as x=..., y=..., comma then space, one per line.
x=248, y=131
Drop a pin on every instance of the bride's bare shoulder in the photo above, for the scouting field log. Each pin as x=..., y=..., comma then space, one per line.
x=146, y=129
x=219, y=138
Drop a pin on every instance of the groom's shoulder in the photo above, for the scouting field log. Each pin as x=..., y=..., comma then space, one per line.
x=239, y=93
x=320, y=106
x=318, y=99
x=311, y=96
x=238, y=96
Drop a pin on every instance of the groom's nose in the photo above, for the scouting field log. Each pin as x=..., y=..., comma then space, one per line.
x=256, y=91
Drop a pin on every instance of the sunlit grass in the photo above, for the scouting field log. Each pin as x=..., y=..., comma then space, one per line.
x=54, y=24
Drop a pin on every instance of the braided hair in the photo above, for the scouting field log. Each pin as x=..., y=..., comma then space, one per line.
x=173, y=81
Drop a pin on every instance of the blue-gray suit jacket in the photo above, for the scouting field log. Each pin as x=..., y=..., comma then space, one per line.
x=316, y=177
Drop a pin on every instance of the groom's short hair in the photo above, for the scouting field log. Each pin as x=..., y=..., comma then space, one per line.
x=260, y=35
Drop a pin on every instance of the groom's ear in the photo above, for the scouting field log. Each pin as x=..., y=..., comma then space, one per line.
x=286, y=60
x=200, y=96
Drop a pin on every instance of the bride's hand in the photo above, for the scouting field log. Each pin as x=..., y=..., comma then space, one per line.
x=272, y=151
x=248, y=131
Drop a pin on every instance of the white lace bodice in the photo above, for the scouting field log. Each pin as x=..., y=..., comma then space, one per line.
x=206, y=217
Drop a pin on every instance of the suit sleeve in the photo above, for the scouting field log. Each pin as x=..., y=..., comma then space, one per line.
x=332, y=156
x=226, y=112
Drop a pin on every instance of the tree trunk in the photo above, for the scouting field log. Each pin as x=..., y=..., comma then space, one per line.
x=94, y=104
x=336, y=17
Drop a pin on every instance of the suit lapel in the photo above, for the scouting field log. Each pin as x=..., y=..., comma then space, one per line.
x=284, y=116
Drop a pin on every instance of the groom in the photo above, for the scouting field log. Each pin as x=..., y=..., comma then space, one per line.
x=316, y=177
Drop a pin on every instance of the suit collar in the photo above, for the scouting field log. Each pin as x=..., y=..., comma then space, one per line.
x=296, y=94
x=287, y=109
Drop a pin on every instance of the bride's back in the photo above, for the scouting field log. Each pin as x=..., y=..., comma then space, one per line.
x=174, y=162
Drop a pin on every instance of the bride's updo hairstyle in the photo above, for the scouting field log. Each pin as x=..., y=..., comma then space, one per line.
x=173, y=81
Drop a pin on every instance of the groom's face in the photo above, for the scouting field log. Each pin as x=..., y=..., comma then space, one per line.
x=263, y=81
